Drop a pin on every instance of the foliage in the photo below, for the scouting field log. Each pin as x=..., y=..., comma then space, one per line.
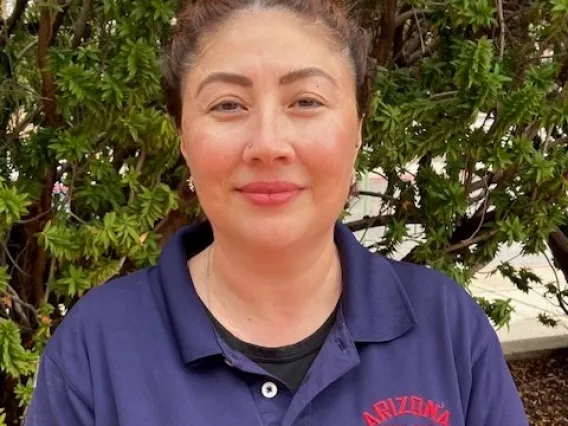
x=472, y=103
x=89, y=163
x=469, y=97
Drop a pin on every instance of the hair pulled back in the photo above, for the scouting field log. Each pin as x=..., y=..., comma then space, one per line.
x=196, y=20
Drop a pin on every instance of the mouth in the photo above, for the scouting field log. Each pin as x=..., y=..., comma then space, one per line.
x=270, y=194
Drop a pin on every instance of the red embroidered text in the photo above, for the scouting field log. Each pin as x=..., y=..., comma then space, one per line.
x=409, y=405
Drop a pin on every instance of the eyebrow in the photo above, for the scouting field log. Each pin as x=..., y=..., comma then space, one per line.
x=303, y=73
x=288, y=78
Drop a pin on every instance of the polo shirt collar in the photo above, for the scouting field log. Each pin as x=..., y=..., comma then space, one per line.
x=375, y=306
x=192, y=327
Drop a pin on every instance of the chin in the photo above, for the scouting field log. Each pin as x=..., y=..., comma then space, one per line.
x=278, y=230
x=271, y=231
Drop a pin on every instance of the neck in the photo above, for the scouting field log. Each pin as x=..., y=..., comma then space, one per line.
x=273, y=299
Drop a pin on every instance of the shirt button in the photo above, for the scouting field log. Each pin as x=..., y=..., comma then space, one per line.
x=269, y=390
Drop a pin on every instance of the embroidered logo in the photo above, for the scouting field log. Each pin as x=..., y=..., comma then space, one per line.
x=409, y=405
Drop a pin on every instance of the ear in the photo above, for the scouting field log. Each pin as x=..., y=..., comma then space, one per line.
x=360, y=141
x=183, y=147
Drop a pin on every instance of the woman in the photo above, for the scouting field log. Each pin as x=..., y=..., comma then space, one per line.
x=271, y=313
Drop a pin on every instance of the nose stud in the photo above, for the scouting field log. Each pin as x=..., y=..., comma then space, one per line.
x=249, y=146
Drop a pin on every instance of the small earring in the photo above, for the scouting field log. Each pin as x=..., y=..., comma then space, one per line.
x=354, y=179
x=191, y=184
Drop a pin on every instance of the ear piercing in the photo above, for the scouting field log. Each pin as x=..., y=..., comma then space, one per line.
x=191, y=184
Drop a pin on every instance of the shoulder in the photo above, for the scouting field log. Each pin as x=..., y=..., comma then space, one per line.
x=440, y=302
x=102, y=308
x=115, y=297
x=425, y=284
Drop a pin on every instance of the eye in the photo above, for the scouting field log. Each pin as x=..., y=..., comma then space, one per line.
x=308, y=103
x=227, y=106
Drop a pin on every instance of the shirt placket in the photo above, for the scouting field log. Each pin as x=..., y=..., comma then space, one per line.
x=337, y=357
x=271, y=397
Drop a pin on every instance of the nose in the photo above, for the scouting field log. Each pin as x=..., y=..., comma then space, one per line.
x=269, y=142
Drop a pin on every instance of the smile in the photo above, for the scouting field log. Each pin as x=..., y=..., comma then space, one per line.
x=270, y=194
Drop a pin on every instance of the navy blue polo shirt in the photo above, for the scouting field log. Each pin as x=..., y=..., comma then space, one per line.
x=409, y=348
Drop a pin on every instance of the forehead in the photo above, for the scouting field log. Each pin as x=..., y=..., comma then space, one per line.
x=255, y=42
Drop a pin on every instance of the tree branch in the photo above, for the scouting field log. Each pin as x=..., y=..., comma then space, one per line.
x=405, y=16
x=422, y=44
x=501, y=28
x=24, y=123
x=52, y=266
x=368, y=222
x=419, y=54
x=558, y=244
x=559, y=141
x=46, y=36
x=18, y=304
x=482, y=211
x=384, y=197
x=12, y=21
x=468, y=177
x=80, y=25
x=398, y=41
x=444, y=94
x=12, y=293
x=470, y=241
x=139, y=164
x=388, y=27
x=14, y=262
x=26, y=49
x=411, y=44
x=33, y=219
x=488, y=180
x=558, y=293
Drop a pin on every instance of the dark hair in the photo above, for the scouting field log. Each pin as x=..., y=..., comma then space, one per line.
x=196, y=20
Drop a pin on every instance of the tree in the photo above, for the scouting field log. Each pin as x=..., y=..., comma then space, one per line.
x=90, y=174
x=558, y=243
x=472, y=92
x=91, y=181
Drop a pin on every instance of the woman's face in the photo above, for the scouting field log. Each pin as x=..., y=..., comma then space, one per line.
x=270, y=129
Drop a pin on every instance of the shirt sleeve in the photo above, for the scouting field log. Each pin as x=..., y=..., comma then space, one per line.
x=55, y=402
x=494, y=399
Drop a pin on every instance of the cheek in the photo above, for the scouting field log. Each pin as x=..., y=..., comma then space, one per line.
x=210, y=152
x=331, y=153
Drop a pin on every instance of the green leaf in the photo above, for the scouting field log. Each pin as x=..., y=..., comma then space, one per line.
x=13, y=205
x=512, y=228
x=547, y=320
x=477, y=13
x=4, y=278
x=522, y=278
x=50, y=5
x=14, y=359
x=560, y=7
x=473, y=66
x=61, y=241
x=499, y=310
x=543, y=168
x=25, y=392
x=103, y=271
x=73, y=282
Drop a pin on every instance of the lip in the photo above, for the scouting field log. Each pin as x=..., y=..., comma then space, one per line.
x=270, y=194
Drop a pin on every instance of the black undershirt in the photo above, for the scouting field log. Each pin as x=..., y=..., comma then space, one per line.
x=287, y=363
